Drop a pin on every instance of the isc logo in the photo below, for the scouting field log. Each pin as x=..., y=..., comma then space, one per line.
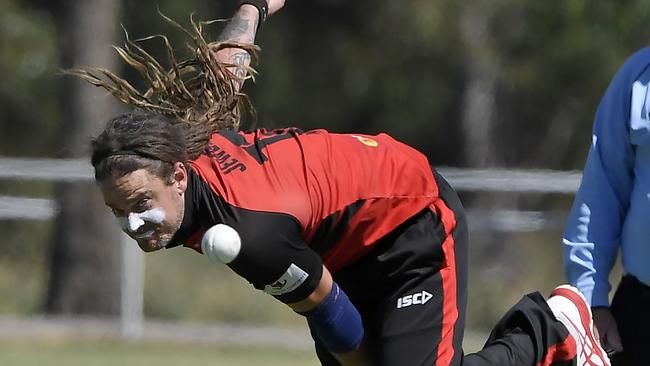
x=414, y=299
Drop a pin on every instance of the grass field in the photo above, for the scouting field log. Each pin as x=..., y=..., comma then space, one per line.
x=104, y=353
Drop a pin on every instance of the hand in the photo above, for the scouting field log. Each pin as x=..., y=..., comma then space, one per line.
x=275, y=5
x=607, y=329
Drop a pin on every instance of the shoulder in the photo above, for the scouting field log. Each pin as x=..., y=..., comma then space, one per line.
x=632, y=78
x=640, y=57
x=636, y=67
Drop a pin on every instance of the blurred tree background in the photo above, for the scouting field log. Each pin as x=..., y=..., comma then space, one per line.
x=482, y=83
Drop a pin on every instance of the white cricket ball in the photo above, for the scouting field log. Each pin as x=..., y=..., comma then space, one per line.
x=221, y=243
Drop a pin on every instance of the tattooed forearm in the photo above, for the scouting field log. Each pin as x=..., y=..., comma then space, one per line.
x=241, y=59
x=239, y=29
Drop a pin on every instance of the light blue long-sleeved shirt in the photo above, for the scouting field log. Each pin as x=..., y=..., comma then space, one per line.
x=612, y=207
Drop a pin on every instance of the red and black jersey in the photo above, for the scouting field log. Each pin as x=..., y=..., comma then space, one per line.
x=331, y=194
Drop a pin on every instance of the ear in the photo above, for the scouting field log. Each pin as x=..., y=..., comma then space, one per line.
x=180, y=177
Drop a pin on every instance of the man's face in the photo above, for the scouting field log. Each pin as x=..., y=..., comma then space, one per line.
x=149, y=208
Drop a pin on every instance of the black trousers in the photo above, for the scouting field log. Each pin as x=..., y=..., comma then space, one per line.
x=411, y=291
x=631, y=309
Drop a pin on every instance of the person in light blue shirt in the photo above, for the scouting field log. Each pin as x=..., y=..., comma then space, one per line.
x=611, y=212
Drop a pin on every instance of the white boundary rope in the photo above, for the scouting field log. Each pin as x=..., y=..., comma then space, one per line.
x=45, y=169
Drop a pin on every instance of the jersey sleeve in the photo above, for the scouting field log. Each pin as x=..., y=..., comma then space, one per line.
x=274, y=257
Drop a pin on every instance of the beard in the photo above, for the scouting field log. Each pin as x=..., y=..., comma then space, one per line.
x=161, y=239
x=166, y=238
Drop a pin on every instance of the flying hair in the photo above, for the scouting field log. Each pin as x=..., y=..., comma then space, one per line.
x=199, y=94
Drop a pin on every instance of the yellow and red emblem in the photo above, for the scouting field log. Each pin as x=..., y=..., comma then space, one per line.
x=366, y=141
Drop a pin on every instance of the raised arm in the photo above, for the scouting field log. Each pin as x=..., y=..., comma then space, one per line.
x=242, y=29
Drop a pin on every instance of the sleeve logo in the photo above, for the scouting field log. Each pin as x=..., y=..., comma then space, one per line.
x=292, y=278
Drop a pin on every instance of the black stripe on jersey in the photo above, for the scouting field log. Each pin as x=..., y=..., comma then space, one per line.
x=233, y=137
x=331, y=229
x=262, y=139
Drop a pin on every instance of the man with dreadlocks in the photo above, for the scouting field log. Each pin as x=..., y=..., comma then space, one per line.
x=355, y=232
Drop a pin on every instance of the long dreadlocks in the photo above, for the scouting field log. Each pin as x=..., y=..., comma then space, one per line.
x=180, y=109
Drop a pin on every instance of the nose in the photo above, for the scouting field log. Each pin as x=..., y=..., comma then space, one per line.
x=131, y=222
x=134, y=222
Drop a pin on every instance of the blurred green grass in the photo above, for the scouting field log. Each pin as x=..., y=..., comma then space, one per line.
x=101, y=353
x=179, y=283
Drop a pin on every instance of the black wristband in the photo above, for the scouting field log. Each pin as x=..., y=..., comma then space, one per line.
x=262, y=7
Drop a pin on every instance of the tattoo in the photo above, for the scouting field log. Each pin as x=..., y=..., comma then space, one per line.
x=236, y=30
x=241, y=59
x=240, y=29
